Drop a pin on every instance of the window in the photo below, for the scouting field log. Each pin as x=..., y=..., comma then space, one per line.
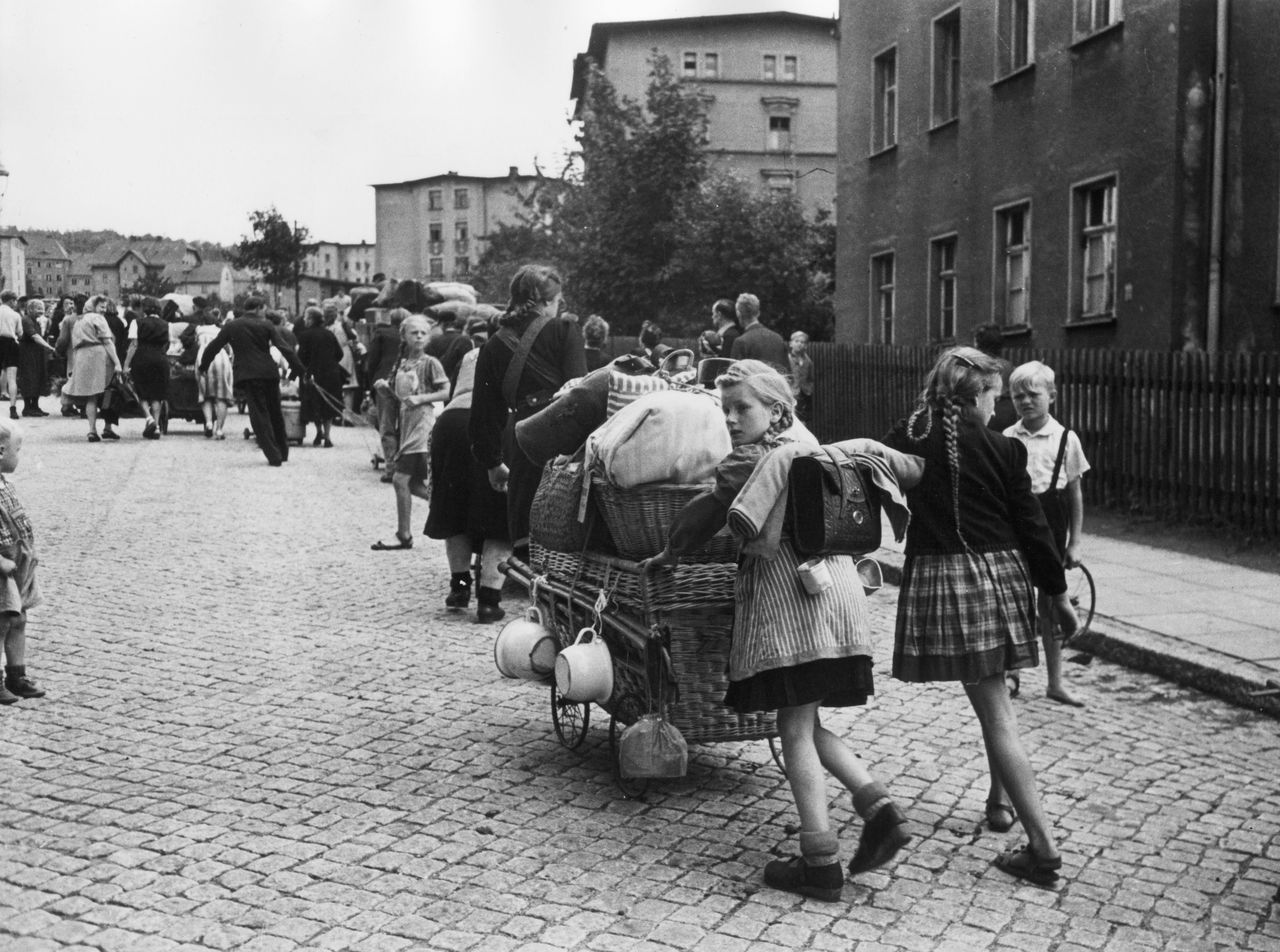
x=435, y=238
x=711, y=65
x=779, y=181
x=460, y=237
x=946, y=68
x=779, y=134
x=884, y=126
x=461, y=198
x=689, y=65
x=1013, y=265
x=882, y=298
x=1095, y=15
x=1095, y=213
x=1013, y=36
x=436, y=267
x=770, y=67
x=463, y=266
x=942, y=261
x=435, y=199
x=789, y=69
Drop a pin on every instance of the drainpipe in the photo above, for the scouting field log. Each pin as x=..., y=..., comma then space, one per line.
x=1213, y=330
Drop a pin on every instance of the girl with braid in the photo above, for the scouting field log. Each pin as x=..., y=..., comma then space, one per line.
x=977, y=548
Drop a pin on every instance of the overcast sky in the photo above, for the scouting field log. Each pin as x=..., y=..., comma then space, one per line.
x=179, y=117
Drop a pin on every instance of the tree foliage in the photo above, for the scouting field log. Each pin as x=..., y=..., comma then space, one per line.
x=151, y=284
x=643, y=229
x=276, y=250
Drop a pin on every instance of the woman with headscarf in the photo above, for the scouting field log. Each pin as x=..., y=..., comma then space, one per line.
x=320, y=353
x=547, y=353
x=93, y=362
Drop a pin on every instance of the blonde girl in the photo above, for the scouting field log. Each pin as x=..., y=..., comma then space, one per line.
x=977, y=548
x=417, y=383
x=793, y=652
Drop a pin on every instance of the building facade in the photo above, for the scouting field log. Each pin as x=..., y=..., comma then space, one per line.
x=348, y=263
x=433, y=228
x=768, y=80
x=48, y=267
x=1050, y=166
x=13, y=263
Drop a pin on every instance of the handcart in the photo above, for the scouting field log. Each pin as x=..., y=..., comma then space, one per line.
x=690, y=608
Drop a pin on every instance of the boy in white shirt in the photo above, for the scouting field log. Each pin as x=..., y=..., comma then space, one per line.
x=1055, y=463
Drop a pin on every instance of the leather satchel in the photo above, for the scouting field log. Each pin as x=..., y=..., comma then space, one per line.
x=830, y=508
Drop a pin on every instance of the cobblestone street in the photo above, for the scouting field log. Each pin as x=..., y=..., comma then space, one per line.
x=261, y=735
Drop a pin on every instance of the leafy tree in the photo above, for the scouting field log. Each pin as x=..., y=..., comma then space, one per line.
x=151, y=284
x=616, y=231
x=276, y=250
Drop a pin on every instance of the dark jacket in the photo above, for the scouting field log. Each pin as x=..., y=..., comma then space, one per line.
x=997, y=508
x=384, y=348
x=558, y=352
x=759, y=343
x=449, y=348
x=250, y=339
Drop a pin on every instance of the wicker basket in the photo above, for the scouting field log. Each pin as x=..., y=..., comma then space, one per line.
x=553, y=515
x=640, y=518
x=694, y=585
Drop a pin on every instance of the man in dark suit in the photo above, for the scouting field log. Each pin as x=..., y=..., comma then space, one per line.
x=757, y=341
x=250, y=337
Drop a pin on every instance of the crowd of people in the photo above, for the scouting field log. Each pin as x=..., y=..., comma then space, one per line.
x=996, y=509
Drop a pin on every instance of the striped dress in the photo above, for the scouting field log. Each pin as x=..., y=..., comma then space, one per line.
x=789, y=647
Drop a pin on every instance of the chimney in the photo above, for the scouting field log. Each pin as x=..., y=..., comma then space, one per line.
x=513, y=172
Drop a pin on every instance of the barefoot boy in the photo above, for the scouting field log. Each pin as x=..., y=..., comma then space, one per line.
x=1050, y=459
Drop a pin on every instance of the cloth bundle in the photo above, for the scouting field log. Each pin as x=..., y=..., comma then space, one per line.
x=668, y=436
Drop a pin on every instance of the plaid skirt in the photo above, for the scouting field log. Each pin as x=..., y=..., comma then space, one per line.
x=965, y=617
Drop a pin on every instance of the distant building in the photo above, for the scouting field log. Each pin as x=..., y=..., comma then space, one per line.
x=13, y=262
x=344, y=264
x=1050, y=167
x=433, y=228
x=768, y=81
x=48, y=267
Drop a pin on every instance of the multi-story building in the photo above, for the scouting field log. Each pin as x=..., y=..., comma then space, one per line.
x=768, y=81
x=13, y=262
x=1073, y=171
x=348, y=264
x=48, y=267
x=434, y=228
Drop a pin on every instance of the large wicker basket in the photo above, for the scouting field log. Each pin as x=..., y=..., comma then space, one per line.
x=639, y=519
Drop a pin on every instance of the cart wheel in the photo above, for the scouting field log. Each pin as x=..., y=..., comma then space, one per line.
x=627, y=709
x=1081, y=590
x=569, y=717
x=775, y=748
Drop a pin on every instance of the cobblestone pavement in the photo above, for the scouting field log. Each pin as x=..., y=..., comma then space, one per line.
x=261, y=735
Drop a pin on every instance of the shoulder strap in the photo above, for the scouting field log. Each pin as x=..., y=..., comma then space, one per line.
x=1057, y=466
x=511, y=379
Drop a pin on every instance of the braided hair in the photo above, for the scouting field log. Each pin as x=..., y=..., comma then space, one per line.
x=533, y=286
x=771, y=387
x=959, y=377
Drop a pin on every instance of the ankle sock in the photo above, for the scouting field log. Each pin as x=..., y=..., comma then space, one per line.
x=869, y=798
x=820, y=848
x=13, y=672
x=489, y=596
x=460, y=581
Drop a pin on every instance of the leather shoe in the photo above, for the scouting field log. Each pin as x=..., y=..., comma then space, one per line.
x=23, y=687
x=489, y=613
x=796, y=876
x=882, y=836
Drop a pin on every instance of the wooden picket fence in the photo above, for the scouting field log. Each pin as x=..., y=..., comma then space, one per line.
x=1187, y=436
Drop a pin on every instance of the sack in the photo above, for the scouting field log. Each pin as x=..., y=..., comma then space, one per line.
x=652, y=747
x=668, y=436
x=830, y=510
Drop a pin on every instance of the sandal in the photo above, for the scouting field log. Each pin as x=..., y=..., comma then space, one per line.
x=1000, y=816
x=1024, y=864
x=94, y=438
x=400, y=544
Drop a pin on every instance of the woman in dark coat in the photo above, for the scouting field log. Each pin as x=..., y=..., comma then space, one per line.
x=33, y=360
x=321, y=353
x=147, y=362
